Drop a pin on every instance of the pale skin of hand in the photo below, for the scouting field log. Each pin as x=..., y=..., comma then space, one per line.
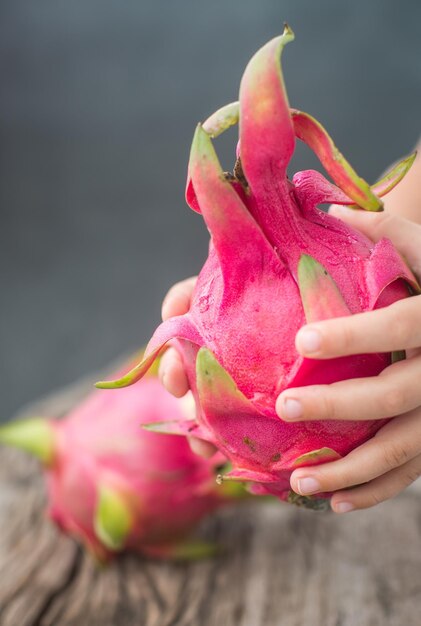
x=385, y=465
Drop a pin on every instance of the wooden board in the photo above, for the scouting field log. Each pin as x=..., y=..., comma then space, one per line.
x=282, y=566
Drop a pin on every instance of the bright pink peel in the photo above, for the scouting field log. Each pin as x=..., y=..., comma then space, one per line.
x=115, y=485
x=276, y=262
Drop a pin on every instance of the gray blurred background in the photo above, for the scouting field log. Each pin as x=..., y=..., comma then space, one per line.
x=98, y=103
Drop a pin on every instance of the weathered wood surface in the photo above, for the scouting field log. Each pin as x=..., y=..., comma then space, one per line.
x=282, y=566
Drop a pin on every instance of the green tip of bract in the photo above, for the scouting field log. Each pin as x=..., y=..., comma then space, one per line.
x=222, y=119
x=232, y=490
x=34, y=435
x=309, y=130
x=113, y=518
x=322, y=455
x=211, y=372
x=108, y=384
x=394, y=176
x=288, y=32
x=398, y=355
x=320, y=295
x=202, y=152
x=135, y=374
x=191, y=550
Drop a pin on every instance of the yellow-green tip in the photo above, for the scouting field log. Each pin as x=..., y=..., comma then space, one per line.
x=34, y=435
x=232, y=490
x=113, y=520
x=194, y=550
x=288, y=32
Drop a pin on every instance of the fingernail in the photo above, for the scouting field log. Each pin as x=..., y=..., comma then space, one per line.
x=308, y=485
x=291, y=409
x=343, y=507
x=309, y=340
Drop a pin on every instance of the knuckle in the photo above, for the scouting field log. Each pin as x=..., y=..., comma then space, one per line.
x=348, y=336
x=393, y=401
x=164, y=364
x=395, y=455
x=161, y=371
x=382, y=223
x=411, y=475
x=167, y=358
x=337, y=479
x=374, y=498
x=327, y=405
x=401, y=327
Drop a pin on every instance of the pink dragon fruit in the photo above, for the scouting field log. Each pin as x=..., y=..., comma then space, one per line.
x=276, y=262
x=116, y=486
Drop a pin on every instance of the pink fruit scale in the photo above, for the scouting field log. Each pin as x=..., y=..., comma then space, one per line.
x=276, y=262
x=116, y=486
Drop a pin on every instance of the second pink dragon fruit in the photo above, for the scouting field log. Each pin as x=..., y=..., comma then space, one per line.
x=115, y=486
x=276, y=262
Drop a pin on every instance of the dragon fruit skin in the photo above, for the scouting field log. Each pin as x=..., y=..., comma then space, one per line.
x=115, y=485
x=276, y=262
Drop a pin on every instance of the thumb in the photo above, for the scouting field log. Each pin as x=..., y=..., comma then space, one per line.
x=404, y=234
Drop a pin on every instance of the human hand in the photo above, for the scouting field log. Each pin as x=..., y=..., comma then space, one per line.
x=171, y=369
x=388, y=463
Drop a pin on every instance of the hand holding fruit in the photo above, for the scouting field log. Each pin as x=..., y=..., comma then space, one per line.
x=386, y=464
x=275, y=264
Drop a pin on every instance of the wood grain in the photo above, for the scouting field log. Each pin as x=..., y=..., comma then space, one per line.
x=281, y=566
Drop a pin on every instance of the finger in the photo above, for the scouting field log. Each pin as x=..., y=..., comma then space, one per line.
x=403, y=233
x=405, y=198
x=391, y=393
x=178, y=299
x=395, y=327
x=377, y=490
x=394, y=445
x=201, y=448
x=172, y=373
